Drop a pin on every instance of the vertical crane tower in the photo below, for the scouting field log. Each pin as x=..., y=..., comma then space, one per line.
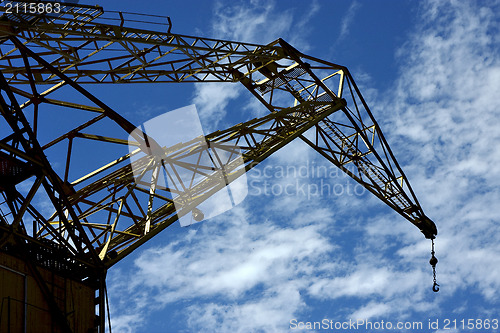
x=54, y=256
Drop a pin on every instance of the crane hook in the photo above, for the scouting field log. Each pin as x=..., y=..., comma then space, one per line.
x=433, y=261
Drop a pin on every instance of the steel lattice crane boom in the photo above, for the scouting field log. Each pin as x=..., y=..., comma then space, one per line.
x=102, y=215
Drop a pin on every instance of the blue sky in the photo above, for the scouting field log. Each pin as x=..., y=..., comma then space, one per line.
x=430, y=70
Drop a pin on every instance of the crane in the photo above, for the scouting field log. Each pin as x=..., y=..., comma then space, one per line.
x=100, y=212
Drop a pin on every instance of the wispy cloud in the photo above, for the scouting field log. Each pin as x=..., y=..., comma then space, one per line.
x=347, y=20
x=446, y=103
x=251, y=22
x=211, y=100
x=254, y=22
x=229, y=259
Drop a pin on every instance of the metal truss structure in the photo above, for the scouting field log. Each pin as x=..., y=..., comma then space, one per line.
x=101, y=215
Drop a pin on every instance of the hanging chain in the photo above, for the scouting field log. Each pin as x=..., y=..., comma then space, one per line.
x=433, y=261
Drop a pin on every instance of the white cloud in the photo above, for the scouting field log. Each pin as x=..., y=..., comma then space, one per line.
x=363, y=282
x=211, y=100
x=372, y=309
x=446, y=104
x=347, y=20
x=265, y=314
x=255, y=22
x=126, y=323
x=229, y=260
